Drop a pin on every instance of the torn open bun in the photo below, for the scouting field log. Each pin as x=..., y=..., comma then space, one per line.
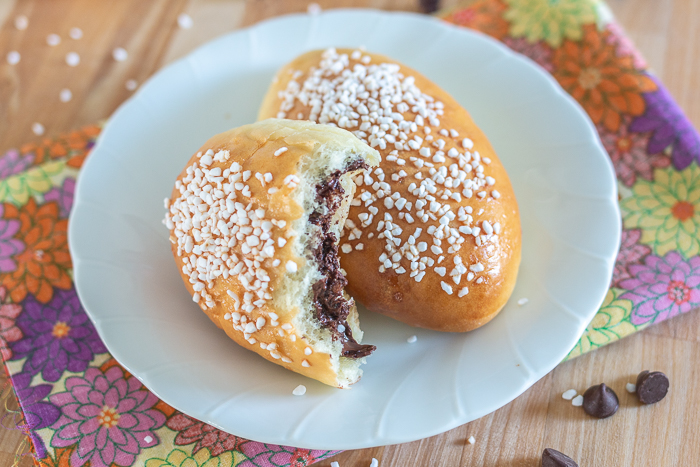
x=255, y=218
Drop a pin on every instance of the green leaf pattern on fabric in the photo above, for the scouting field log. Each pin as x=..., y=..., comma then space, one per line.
x=202, y=458
x=550, y=20
x=611, y=323
x=17, y=189
x=667, y=210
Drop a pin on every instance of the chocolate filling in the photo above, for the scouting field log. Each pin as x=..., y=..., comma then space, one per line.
x=332, y=309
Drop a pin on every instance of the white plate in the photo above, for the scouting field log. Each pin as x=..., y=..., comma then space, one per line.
x=128, y=283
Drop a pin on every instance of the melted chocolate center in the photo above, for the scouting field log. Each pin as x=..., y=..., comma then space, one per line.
x=332, y=309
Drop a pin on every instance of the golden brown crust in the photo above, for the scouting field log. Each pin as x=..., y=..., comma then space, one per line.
x=425, y=304
x=254, y=147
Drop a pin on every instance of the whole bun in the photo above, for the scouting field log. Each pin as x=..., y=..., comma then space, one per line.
x=433, y=235
x=255, y=218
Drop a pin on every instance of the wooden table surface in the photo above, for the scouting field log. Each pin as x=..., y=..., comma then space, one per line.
x=666, y=31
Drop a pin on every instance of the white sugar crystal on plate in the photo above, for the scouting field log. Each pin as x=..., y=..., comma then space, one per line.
x=412, y=339
x=299, y=390
x=523, y=301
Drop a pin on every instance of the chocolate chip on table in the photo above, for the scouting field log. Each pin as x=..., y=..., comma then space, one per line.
x=600, y=401
x=652, y=386
x=430, y=6
x=553, y=458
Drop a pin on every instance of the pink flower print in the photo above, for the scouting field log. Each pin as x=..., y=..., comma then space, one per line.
x=109, y=416
x=628, y=152
x=9, y=246
x=13, y=163
x=662, y=288
x=9, y=332
x=540, y=51
x=631, y=252
x=191, y=430
x=624, y=46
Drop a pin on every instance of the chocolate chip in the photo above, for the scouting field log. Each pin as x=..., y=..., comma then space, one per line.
x=652, y=386
x=600, y=401
x=430, y=6
x=552, y=458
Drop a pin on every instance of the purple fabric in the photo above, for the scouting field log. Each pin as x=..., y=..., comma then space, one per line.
x=38, y=413
x=13, y=163
x=47, y=349
x=670, y=127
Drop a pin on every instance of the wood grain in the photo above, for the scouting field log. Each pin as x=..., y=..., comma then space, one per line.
x=29, y=91
x=666, y=31
x=13, y=442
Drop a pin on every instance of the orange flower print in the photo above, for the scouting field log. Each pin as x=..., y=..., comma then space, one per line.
x=81, y=143
x=74, y=145
x=485, y=16
x=606, y=85
x=61, y=459
x=301, y=458
x=45, y=261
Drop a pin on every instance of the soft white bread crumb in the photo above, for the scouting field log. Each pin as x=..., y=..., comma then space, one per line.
x=338, y=149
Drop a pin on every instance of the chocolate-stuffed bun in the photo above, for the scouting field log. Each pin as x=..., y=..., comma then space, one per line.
x=254, y=221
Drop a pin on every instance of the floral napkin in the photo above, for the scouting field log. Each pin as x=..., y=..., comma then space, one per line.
x=82, y=409
x=654, y=148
